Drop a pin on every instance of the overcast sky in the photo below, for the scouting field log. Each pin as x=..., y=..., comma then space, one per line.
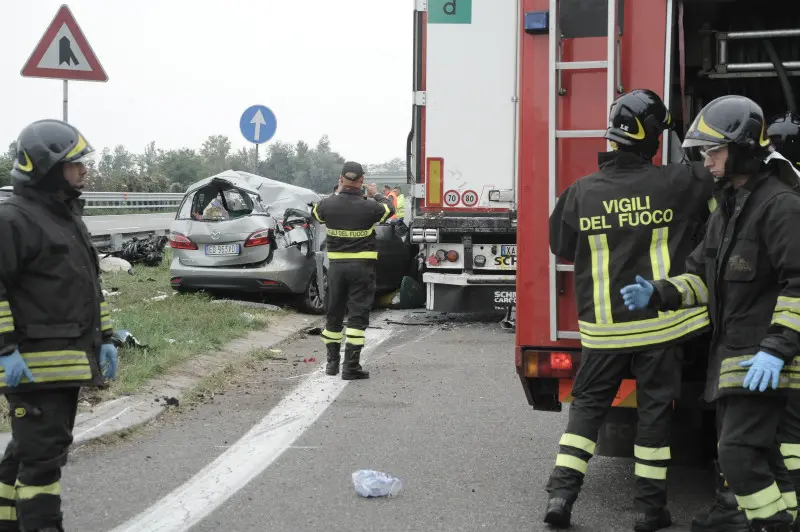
x=181, y=70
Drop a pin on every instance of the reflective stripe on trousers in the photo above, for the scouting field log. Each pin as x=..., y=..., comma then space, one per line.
x=355, y=336
x=330, y=337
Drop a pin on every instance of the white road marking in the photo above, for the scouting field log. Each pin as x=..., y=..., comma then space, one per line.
x=249, y=456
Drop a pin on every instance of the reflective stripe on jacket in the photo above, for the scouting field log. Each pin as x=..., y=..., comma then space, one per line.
x=629, y=218
x=350, y=219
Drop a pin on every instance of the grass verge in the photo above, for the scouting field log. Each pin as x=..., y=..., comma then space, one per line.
x=174, y=327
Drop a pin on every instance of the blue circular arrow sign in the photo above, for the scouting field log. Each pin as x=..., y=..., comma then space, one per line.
x=258, y=124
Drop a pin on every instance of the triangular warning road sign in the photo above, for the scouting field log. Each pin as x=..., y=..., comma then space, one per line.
x=64, y=53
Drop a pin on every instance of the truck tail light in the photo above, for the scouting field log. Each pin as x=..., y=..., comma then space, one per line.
x=550, y=364
x=179, y=241
x=259, y=238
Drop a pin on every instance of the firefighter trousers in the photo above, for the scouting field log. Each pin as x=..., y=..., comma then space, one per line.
x=750, y=456
x=658, y=377
x=351, y=290
x=789, y=440
x=30, y=470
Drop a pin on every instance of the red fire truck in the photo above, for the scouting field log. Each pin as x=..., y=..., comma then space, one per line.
x=575, y=58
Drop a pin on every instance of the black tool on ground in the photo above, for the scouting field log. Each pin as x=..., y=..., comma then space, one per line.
x=148, y=251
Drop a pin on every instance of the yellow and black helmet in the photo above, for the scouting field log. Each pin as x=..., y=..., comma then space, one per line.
x=784, y=133
x=638, y=117
x=43, y=145
x=729, y=120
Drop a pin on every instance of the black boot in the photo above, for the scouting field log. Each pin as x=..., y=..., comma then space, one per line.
x=652, y=522
x=333, y=359
x=724, y=515
x=351, y=370
x=558, y=513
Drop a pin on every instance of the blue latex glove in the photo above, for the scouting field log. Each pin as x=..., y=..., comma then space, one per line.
x=638, y=295
x=15, y=367
x=763, y=369
x=108, y=361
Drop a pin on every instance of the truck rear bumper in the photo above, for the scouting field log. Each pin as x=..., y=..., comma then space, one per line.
x=469, y=293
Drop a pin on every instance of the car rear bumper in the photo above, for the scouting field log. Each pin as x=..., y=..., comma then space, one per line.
x=280, y=275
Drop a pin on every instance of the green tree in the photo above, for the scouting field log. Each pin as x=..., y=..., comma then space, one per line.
x=279, y=162
x=182, y=167
x=7, y=164
x=215, y=152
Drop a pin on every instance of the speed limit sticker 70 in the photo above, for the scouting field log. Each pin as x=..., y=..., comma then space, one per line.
x=469, y=198
x=451, y=198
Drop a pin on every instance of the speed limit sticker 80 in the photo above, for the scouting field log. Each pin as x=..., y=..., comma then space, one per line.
x=469, y=198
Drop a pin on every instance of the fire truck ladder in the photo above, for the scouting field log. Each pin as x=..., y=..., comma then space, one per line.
x=554, y=133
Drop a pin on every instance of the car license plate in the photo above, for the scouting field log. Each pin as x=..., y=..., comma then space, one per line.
x=222, y=249
x=508, y=251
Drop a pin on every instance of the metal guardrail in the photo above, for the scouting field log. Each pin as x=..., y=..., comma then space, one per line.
x=132, y=200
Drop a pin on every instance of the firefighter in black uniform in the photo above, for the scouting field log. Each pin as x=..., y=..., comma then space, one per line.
x=784, y=132
x=350, y=219
x=747, y=272
x=629, y=216
x=55, y=329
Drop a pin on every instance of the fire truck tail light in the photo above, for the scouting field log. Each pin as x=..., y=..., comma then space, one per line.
x=555, y=364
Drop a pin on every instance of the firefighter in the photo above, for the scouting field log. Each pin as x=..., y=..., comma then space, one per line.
x=747, y=272
x=784, y=132
x=628, y=216
x=350, y=220
x=55, y=328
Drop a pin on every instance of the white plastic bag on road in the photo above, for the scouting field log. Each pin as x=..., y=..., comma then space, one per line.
x=370, y=483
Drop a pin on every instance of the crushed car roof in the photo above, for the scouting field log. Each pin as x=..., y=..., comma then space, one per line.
x=276, y=195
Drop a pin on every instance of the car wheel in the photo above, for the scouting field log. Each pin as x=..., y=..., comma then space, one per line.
x=311, y=301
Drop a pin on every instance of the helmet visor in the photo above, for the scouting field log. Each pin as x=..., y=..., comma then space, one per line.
x=701, y=143
x=88, y=159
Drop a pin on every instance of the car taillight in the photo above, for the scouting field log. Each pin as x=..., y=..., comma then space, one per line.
x=259, y=238
x=179, y=241
x=558, y=365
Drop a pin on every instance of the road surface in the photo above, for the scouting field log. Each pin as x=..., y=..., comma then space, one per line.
x=127, y=223
x=443, y=411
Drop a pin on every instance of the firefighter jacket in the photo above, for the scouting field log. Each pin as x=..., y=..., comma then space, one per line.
x=51, y=303
x=747, y=272
x=350, y=219
x=630, y=218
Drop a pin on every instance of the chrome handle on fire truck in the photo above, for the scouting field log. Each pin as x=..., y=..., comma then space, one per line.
x=724, y=69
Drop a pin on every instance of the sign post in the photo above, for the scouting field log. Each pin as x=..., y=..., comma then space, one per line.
x=258, y=125
x=64, y=53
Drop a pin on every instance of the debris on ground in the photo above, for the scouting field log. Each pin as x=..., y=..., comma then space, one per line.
x=313, y=331
x=310, y=359
x=148, y=251
x=123, y=338
x=109, y=264
x=370, y=483
x=158, y=298
x=168, y=401
x=113, y=292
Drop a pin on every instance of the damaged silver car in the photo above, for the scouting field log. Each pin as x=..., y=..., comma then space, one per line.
x=241, y=232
